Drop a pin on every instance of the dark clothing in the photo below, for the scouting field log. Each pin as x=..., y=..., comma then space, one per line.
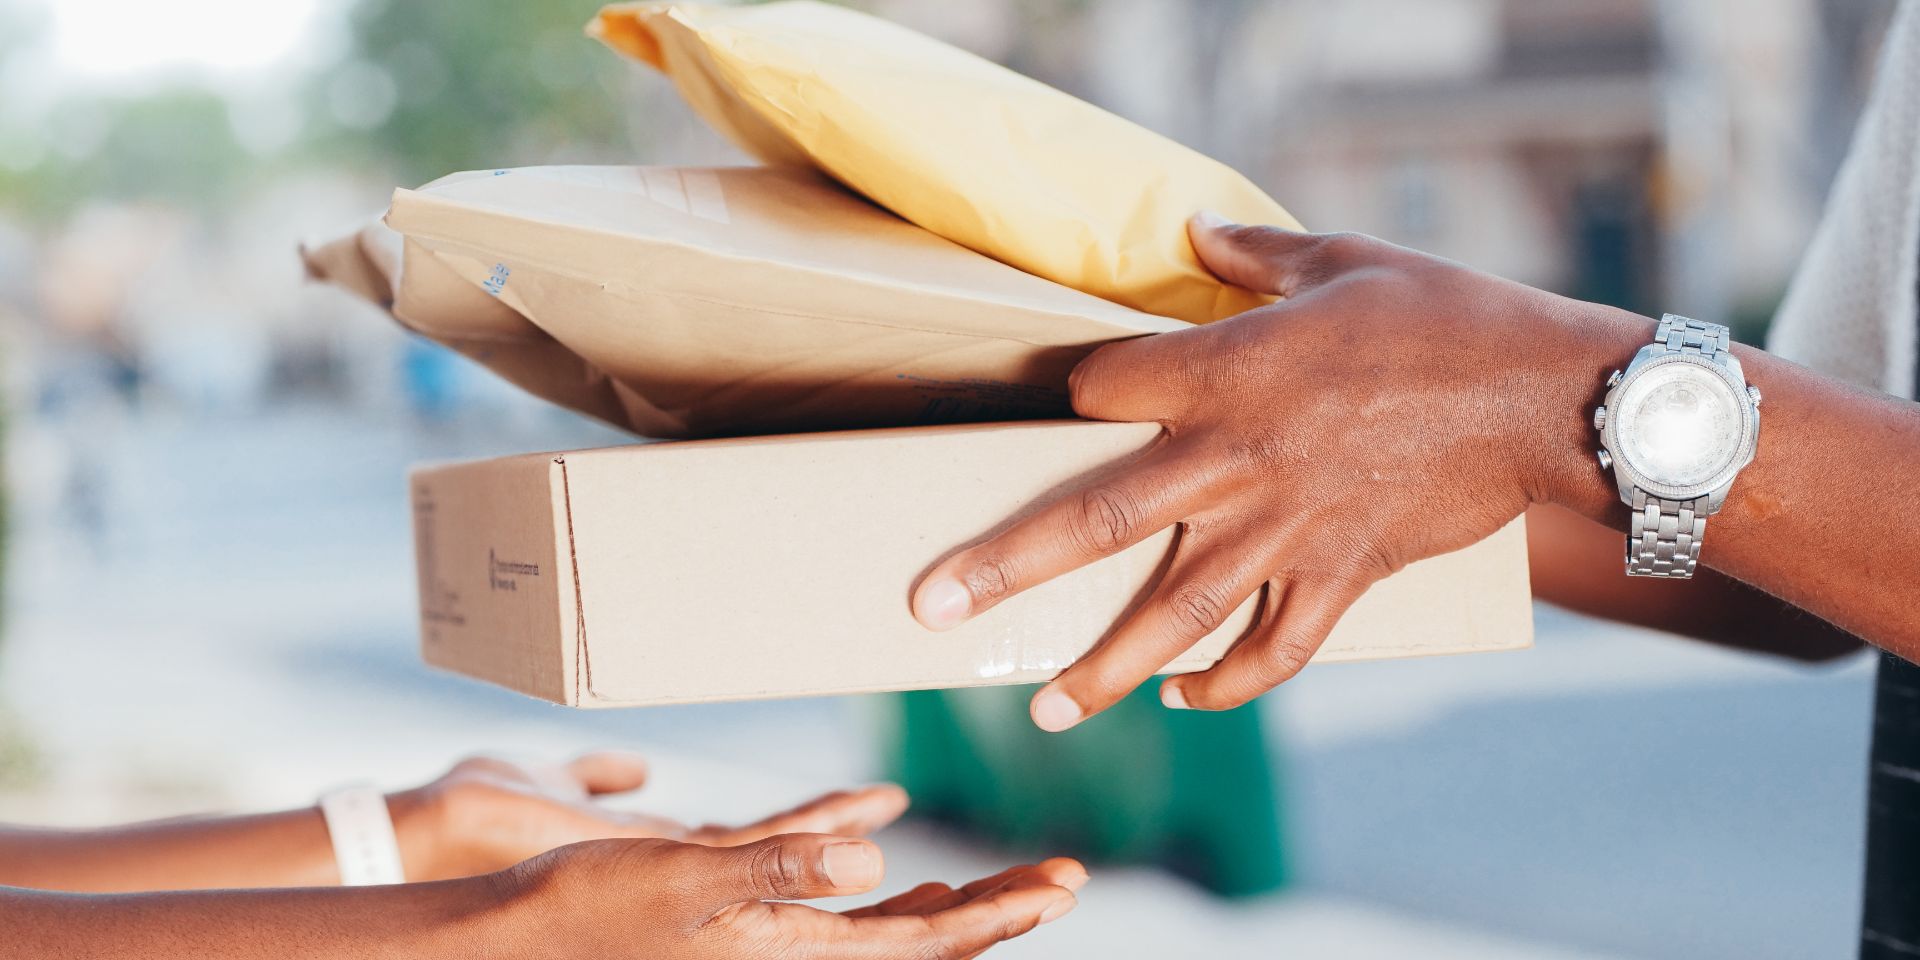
x=1890, y=925
x=1890, y=918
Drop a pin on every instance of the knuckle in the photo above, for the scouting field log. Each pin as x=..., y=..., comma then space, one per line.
x=954, y=941
x=1007, y=924
x=1345, y=243
x=1098, y=687
x=1270, y=247
x=1376, y=558
x=538, y=872
x=646, y=854
x=933, y=949
x=1198, y=608
x=1370, y=555
x=1283, y=655
x=1262, y=238
x=1108, y=519
x=935, y=945
x=587, y=868
x=778, y=869
x=1262, y=453
x=1351, y=564
x=1331, y=254
x=990, y=578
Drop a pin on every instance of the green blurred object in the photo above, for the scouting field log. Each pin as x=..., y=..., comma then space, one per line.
x=1188, y=791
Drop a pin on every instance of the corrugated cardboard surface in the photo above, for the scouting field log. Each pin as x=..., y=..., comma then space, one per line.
x=782, y=566
x=497, y=598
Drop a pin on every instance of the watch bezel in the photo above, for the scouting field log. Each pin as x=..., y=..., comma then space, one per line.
x=1743, y=453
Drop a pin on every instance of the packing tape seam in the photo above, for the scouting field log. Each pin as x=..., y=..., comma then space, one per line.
x=580, y=660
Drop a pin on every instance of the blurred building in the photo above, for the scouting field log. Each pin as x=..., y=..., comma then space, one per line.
x=1657, y=154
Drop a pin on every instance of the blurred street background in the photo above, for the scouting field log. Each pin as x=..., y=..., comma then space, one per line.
x=208, y=574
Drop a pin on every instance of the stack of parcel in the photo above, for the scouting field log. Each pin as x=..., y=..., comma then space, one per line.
x=859, y=353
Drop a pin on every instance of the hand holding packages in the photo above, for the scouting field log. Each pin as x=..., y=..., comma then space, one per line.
x=721, y=302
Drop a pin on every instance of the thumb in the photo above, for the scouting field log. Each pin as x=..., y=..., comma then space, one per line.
x=794, y=866
x=1261, y=259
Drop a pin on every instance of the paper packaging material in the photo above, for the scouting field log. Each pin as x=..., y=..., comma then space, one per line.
x=715, y=302
x=781, y=566
x=968, y=149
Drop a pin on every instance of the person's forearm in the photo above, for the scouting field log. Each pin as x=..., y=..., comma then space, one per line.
x=1827, y=517
x=1577, y=565
x=423, y=921
x=267, y=850
x=286, y=849
x=1390, y=407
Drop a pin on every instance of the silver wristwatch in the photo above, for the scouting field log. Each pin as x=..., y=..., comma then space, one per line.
x=1676, y=427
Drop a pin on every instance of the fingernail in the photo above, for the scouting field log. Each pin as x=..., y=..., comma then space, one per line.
x=1054, y=711
x=1209, y=220
x=1173, y=698
x=1057, y=909
x=943, y=604
x=850, y=865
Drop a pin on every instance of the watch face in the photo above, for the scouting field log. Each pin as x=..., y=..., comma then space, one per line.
x=1678, y=424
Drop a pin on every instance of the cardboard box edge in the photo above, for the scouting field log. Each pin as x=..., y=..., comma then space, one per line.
x=567, y=588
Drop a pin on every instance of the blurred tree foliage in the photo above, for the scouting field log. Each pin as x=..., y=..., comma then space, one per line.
x=176, y=145
x=421, y=88
x=434, y=87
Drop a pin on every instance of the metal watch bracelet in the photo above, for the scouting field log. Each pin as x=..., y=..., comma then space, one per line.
x=1665, y=538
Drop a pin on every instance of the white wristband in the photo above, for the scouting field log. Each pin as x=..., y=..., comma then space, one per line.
x=363, y=841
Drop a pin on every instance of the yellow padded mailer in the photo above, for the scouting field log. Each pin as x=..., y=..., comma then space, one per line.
x=957, y=144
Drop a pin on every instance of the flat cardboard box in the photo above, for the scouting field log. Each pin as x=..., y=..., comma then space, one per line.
x=782, y=566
